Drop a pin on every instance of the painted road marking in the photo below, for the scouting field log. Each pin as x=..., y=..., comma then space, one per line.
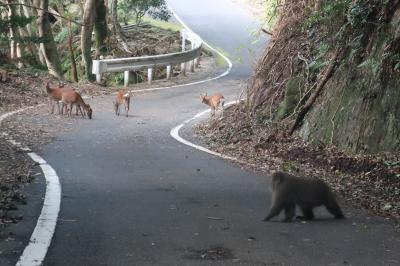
x=35, y=252
x=227, y=71
x=175, y=134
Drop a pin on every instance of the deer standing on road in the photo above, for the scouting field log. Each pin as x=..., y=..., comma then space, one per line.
x=55, y=95
x=123, y=97
x=214, y=101
x=71, y=98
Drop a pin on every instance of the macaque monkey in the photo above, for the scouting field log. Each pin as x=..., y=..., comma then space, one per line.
x=289, y=191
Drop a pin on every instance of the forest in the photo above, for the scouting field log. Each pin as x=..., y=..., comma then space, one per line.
x=56, y=36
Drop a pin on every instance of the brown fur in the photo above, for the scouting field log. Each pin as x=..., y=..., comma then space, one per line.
x=289, y=191
x=214, y=101
x=123, y=97
x=55, y=94
x=70, y=97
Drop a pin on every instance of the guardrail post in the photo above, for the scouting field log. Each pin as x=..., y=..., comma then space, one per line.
x=150, y=74
x=192, y=66
x=192, y=62
x=126, y=78
x=96, y=69
x=184, y=36
x=183, y=68
x=183, y=65
x=98, y=78
x=169, y=71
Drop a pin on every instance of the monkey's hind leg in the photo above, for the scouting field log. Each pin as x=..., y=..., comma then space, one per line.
x=308, y=214
x=333, y=207
x=289, y=212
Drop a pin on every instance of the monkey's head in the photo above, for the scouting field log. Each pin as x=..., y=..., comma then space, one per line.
x=277, y=178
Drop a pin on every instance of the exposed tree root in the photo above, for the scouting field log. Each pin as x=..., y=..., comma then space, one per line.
x=320, y=85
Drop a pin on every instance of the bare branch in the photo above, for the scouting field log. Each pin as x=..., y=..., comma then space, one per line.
x=46, y=11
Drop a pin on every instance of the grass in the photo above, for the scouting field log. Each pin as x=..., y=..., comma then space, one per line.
x=219, y=60
x=166, y=25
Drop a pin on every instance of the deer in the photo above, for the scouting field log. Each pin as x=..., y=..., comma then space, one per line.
x=123, y=97
x=214, y=101
x=55, y=95
x=71, y=98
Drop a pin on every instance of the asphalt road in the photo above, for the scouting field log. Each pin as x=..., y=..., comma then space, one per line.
x=132, y=195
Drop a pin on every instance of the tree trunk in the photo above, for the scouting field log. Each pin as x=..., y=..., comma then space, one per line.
x=48, y=47
x=34, y=13
x=71, y=51
x=116, y=27
x=31, y=32
x=89, y=17
x=117, y=30
x=100, y=29
x=15, y=46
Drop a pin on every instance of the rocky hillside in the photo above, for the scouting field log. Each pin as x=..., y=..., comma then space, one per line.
x=332, y=74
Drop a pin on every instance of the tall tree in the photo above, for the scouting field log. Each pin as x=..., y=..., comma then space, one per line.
x=48, y=45
x=100, y=28
x=89, y=16
x=15, y=46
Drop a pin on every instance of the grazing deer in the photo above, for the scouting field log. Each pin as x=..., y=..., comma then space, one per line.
x=214, y=101
x=55, y=94
x=123, y=97
x=71, y=98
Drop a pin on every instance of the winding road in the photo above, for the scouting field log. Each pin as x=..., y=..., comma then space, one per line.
x=132, y=195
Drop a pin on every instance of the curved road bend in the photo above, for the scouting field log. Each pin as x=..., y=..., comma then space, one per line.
x=132, y=195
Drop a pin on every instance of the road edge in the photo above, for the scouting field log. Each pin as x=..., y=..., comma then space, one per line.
x=228, y=61
x=40, y=240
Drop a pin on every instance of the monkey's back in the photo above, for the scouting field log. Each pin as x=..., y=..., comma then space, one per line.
x=304, y=192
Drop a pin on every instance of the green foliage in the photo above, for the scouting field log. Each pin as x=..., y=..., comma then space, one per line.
x=62, y=35
x=329, y=12
x=371, y=64
x=271, y=12
x=320, y=59
x=350, y=23
x=138, y=8
x=292, y=97
x=118, y=79
x=15, y=21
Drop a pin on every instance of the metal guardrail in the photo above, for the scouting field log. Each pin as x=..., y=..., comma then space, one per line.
x=136, y=63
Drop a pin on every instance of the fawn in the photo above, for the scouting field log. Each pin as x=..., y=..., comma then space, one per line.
x=71, y=97
x=214, y=101
x=123, y=97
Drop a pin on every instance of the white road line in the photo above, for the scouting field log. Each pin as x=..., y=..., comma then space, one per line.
x=35, y=252
x=227, y=71
x=175, y=131
x=175, y=134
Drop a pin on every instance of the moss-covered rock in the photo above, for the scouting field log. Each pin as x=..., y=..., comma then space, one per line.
x=293, y=92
